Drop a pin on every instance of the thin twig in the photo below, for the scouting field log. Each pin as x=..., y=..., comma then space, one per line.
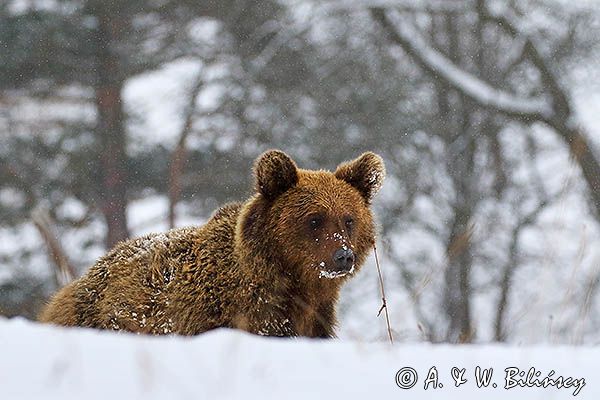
x=177, y=163
x=383, y=301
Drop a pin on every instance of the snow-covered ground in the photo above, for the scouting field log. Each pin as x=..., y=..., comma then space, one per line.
x=45, y=362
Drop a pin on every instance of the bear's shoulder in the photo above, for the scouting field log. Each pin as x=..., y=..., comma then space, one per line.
x=226, y=212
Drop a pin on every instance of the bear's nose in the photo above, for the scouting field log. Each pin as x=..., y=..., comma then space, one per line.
x=343, y=258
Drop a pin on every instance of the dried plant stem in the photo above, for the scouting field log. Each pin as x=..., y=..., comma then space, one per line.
x=383, y=301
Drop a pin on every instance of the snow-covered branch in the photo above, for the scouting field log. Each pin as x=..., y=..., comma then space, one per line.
x=447, y=6
x=553, y=110
x=507, y=19
x=435, y=62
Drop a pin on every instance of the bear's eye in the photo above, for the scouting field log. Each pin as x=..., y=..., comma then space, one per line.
x=349, y=223
x=315, y=222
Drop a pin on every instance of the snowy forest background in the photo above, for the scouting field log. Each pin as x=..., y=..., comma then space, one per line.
x=119, y=118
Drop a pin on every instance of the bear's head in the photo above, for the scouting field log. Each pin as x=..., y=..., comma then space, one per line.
x=316, y=224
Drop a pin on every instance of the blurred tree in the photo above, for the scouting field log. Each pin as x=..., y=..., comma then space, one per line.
x=465, y=54
x=549, y=102
x=90, y=45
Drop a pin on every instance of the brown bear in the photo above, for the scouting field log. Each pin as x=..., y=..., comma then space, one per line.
x=273, y=265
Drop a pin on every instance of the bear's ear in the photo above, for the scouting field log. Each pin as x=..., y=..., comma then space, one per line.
x=366, y=174
x=275, y=173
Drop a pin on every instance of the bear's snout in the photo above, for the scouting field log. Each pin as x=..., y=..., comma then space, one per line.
x=343, y=258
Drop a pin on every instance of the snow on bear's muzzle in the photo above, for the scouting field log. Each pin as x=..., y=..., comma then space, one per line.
x=343, y=260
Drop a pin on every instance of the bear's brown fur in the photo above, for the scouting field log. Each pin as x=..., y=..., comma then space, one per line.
x=270, y=266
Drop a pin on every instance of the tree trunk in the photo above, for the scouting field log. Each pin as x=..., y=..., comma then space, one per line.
x=110, y=132
x=455, y=110
x=457, y=291
x=175, y=171
x=586, y=159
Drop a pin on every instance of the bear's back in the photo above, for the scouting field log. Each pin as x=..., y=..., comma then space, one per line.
x=136, y=284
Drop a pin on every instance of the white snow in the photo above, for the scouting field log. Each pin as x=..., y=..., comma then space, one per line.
x=46, y=362
x=335, y=274
x=155, y=98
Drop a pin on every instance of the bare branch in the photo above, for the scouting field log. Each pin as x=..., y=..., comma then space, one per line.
x=178, y=156
x=591, y=291
x=64, y=272
x=562, y=119
x=531, y=51
x=510, y=269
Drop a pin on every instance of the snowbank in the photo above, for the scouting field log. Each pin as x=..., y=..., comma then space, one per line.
x=44, y=362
